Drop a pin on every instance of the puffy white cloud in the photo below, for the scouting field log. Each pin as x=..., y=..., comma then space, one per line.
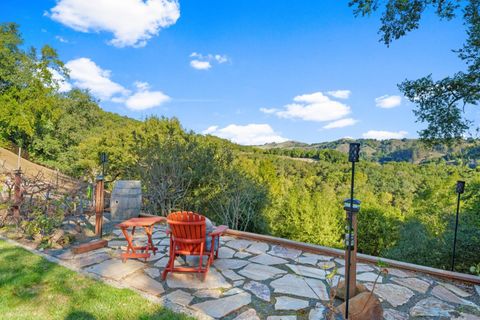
x=61, y=39
x=132, y=22
x=200, y=65
x=250, y=134
x=204, y=62
x=144, y=98
x=340, y=94
x=341, y=123
x=388, y=102
x=382, y=135
x=312, y=107
x=86, y=74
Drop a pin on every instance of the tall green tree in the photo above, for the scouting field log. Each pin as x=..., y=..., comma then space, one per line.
x=440, y=103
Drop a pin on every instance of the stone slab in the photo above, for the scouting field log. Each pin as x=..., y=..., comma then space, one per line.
x=369, y=277
x=225, y=253
x=308, y=271
x=446, y=295
x=283, y=252
x=232, y=275
x=224, y=264
x=288, y=303
x=208, y=293
x=267, y=259
x=318, y=287
x=258, y=248
x=219, y=308
x=239, y=244
x=179, y=297
x=317, y=313
x=242, y=254
x=144, y=283
x=152, y=272
x=293, y=285
x=282, y=318
x=115, y=268
x=257, y=272
x=392, y=314
x=413, y=283
x=258, y=289
x=456, y=290
x=250, y=314
x=431, y=307
x=395, y=295
x=213, y=280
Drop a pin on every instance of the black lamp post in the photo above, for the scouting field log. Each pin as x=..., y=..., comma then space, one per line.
x=460, y=189
x=353, y=156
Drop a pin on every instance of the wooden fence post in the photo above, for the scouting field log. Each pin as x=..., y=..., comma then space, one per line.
x=99, y=206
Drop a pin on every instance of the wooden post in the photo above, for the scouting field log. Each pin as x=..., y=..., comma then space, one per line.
x=17, y=195
x=99, y=206
x=353, y=256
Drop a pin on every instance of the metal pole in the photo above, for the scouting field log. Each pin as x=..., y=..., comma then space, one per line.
x=347, y=292
x=455, y=236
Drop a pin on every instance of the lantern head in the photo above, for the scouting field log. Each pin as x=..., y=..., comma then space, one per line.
x=354, y=152
x=460, y=187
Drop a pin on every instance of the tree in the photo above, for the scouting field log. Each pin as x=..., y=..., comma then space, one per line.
x=439, y=103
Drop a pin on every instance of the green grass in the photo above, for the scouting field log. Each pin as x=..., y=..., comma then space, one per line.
x=34, y=288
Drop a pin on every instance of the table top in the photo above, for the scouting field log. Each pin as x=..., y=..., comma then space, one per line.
x=141, y=222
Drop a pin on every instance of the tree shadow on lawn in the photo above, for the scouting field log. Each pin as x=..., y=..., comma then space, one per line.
x=80, y=315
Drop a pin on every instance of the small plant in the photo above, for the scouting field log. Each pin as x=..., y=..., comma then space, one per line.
x=475, y=269
x=42, y=223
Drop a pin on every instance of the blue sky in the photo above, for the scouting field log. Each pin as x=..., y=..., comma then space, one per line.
x=250, y=71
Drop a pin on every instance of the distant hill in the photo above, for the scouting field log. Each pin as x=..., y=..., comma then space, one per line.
x=404, y=150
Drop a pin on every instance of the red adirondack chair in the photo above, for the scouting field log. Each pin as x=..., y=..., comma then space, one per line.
x=187, y=237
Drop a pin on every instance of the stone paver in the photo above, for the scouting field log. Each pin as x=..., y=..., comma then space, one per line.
x=396, y=295
x=413, y=283
x=283, y=252
x=294, y=285
x=152, y=272
x=369, y=277
x=144, y=283
x=256, y=271
x=307, y=260
x=232, y=275
x=326, y=265
x=308, y=271
x=267, y=259
x=208, y=293
x=288, y=303
x=225, y=253
x=250, y=314
x=392, y=314
x=242, y=254
x=115, y=268
x=239, y=244
x=223, y=264
x=194, y=281
x=446, y=295
x=179, y=297
x=317, y=313
x=456, y=290
x=282, y=318
x=318, y=287
x=258, y=248
x=259, y=289
x=221, y=307
x=431, y=307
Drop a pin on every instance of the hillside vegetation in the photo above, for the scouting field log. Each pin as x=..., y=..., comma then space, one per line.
x=407, y=206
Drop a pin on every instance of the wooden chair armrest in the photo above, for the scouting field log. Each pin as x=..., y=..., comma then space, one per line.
x=218, y=231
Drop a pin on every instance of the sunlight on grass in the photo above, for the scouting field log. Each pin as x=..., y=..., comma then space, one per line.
x=34, y=288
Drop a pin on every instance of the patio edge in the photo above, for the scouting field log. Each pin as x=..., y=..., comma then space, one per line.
x=313, y=248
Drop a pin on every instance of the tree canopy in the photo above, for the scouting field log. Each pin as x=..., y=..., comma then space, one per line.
x=440, y=103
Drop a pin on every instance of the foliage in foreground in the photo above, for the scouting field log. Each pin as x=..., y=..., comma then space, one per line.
x=34, y=288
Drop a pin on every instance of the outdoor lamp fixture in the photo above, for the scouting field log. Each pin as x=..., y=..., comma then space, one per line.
x=459, y=190
x=351, y=206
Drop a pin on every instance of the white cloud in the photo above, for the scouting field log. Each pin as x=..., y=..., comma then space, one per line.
x=268, y=110
x=382, y=135
x=340, y=94
x=63, y=84
x=144, y=98
x=61, y=39
x=341, y=123
x=204, y=62
x=313, y=107
x=132, y=22
x=387, y=101
x=86, y=74
x=250, y=134
x=200, y=65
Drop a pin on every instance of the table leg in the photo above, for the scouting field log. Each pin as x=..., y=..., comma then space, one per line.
x=149, y=232
x=132, y=248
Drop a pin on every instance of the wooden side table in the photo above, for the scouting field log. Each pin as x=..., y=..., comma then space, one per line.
x=147, y=223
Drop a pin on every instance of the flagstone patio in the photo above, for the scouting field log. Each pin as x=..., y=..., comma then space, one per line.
x=256, y=280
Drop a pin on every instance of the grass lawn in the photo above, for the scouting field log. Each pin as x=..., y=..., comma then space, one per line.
x=34, y=288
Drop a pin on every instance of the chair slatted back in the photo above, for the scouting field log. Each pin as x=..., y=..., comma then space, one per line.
x=188, y=229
